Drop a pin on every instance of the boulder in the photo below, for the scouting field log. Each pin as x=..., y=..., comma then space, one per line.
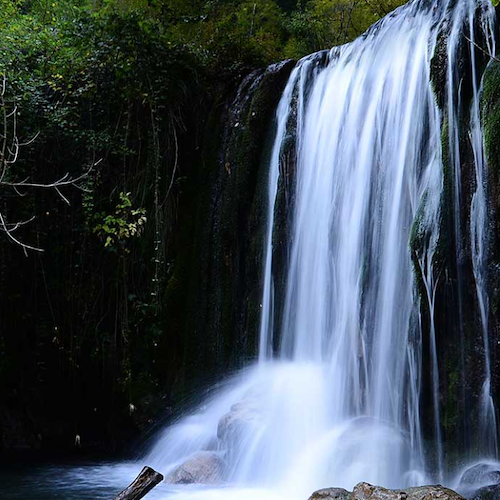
x=203, y=467
x=437, y=492
x=491, y=492
x=482, y=474
x=331, y=494
x=476, y=477
x=365, y=491
x=242, y=418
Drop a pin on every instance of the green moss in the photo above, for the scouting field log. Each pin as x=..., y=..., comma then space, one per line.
x=445, y=240
x=418, y=238
x=439, y=64
x=490, y=107
x=450, y=417
x=490, y=114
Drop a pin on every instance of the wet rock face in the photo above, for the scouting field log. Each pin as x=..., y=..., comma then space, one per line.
x=462, y=61
x=491, y=492
x=480, y=480
x=480, y=475
x=365, y=491
x=214, y=294
x=204, y=467
x=490, y=110
x=490, y=115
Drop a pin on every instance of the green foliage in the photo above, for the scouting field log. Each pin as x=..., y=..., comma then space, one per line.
x=322, y=24
x=126, y=222
x=62, y=40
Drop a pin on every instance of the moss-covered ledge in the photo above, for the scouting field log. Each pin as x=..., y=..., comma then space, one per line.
x=490, y=116
x=490, y=108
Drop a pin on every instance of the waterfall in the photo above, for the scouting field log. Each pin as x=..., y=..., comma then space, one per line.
x=336, y=395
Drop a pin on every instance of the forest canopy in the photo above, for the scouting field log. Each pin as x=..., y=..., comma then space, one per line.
x=67, y=32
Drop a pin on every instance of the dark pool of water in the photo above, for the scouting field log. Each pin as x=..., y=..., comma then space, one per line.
x=86, y=481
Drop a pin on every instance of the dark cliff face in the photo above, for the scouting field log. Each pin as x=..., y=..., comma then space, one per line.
x=490, y=108
x=460, y=349
x=217, y=281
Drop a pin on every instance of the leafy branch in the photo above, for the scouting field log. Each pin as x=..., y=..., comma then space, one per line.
x=126, y=222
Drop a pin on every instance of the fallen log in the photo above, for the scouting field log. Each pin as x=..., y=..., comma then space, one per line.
x=142, y=485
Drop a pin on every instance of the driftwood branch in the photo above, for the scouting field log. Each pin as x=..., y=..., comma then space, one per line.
x=143, y=484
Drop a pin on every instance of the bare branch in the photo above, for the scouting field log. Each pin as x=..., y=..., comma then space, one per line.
x=9, y=232
x=65, y=180
x=10, y=148
x=491, y=56
x=16, y=225
x=30, y=141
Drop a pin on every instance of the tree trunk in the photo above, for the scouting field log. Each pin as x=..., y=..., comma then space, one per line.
x=143, y=484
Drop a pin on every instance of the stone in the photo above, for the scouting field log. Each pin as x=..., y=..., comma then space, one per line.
x=241, y=418
x=491, y=492
x=203, y=467
x=365, y=491
x=331, y=494
x=476, y=477
x=437, y=492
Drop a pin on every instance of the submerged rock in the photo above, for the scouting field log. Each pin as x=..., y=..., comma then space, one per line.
x=365, y=491
x=242, y=418
x=203, y=467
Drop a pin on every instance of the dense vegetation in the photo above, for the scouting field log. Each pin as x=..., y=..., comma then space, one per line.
x=122, y=92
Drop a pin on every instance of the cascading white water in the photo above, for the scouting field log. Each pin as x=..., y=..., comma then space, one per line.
x=340, y=402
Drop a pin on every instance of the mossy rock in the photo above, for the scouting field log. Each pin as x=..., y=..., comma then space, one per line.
x=490, y=115
x=490, y=107
x=462, y=61
x=439, y=66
